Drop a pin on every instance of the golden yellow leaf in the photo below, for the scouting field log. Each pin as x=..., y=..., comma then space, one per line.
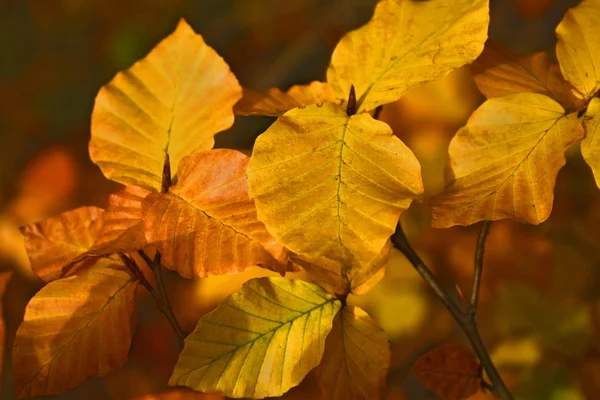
x=260, y=342
x=274, y=102
x=356, y=359
x=577, y=49
x=504, y=162
x=206, y=223
x=340, y=278
x=123, y=224
x=74, y=328
x=590, y=145
x=171, y=102
x=499, y=72
x=53, y=243
x=405, y=44
x=331, y=185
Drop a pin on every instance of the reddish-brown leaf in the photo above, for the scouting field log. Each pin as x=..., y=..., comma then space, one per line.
x=206, y=224
x=450, y=371
x=74, y=328
x=56, y=242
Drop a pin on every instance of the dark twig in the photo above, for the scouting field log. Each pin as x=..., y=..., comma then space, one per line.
x=377, y=112
x=351, y=106
x=464, y=317
x=166, y=175
x=160, y=297
x=479, y=250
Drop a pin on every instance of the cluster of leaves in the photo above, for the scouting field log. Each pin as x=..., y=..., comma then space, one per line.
x=322, y=192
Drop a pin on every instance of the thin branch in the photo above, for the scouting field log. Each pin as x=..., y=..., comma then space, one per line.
x=464, y=318
x=479, y=250
x=377, y=112
x=160, y=297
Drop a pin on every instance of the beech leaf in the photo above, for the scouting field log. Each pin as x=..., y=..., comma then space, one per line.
x=577, y=48
x=170, y=103
x=405, y=44
x=260, y=342
x=206, y=224
x=504, y=162
x=74, y=328
x=274, y=102
x=499, y=72
x=356, y=359
x=590, y=145
x=53, y=243
x=450, y=371
x=331, y=185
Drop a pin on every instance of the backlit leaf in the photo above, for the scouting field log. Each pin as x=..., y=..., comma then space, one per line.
x=450, y=371
x=55, y=242
x=206, y=223
x=499, y=72
x=74, y=328
x=577, y=49
x=274, y=102
x=260, y=341
x=123, y=224
x=590, y=145
x=331, y=185
x=504, y=162
x=171, y=102
x=356, y=359
x=180, y=394
x=405, y=44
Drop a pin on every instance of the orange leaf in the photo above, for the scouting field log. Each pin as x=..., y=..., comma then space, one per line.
x=56, y=242
x=123, y=229
x=274, y=102
x=207, y=224
x=74, y=328
x=450, y=371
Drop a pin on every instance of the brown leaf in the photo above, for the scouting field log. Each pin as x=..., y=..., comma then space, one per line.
x=499, y=72
x=206, y=223
x=450, y=371
x=53, y=243
x=274, y=102
x=123, y=228
x=74, y=328
x=4, y=277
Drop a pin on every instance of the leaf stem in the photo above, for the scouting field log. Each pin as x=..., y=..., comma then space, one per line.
x=160, y=296
x=479, y=250
x=464, y=317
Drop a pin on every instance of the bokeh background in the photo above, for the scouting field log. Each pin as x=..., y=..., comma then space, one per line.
x=540, y=302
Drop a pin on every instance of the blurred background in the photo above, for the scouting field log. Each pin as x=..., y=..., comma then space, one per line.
x=540, y=303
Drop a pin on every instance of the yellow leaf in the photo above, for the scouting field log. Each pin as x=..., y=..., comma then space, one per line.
x=274, y=102
x=499, y=72
x=260, y=342
x=356, y=359
x=504, y=162
x=171, y=102
x=577, y=49
x=405, y=44
x=58, y=241
x=74, y=328
x=206, y=223
x=331, y=185
x=123, y=224
x=590, y=145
